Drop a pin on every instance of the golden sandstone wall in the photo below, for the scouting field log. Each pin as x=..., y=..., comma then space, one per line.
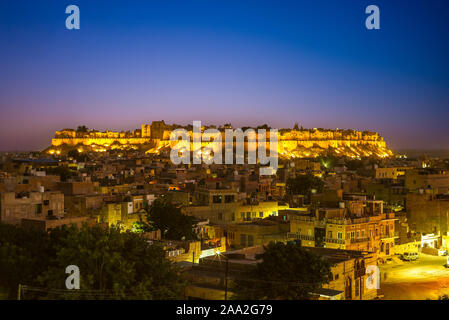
x=293, y=143
x=107, y=142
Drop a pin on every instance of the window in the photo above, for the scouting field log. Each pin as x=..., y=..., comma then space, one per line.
x=38, y=209
x=340, y=235
x=336, y=277
x=216, y=199
x=242, y=215
x=250, y=240
x=261, y=214
x=253, y=214
x=243, y=239
x=352, y=234
x=329, y=234
x=229, y=198
x=46, y=202
x=220, y=216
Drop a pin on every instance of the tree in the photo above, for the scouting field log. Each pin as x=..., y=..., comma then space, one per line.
x=113, y=264
x=329, y=161
x=82, y=129
x=75, y=154
x=24, y=254
x=287, y=271
x=64, y=172
x=264, y=126
x=168, y=218
x=303, y=184
x=355, y=164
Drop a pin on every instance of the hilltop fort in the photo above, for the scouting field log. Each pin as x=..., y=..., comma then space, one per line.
x=155, y=138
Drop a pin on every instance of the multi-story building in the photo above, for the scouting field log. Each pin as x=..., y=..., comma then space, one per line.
x=361, y=227
x=390, y=172
x=428, y=178
x=30, y=205
x=428, y=213
x=209, y=280
x=248, y=234
x=224, y=206
x=193, y=251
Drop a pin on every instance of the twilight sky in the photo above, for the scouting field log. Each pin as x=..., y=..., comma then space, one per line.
x=218, y=61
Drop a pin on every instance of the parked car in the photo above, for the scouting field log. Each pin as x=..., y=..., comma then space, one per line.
x=410, y=256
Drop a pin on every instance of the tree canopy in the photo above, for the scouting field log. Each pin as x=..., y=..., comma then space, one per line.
x=113, y=264
x=303, y=184
x=82, y=129
x=77, y=155
x=168, y=218
x=287, y=271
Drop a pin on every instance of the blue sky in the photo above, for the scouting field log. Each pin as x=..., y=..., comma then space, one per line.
x=244, y=62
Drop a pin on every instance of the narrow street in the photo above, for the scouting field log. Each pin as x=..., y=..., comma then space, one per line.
x=426, y=278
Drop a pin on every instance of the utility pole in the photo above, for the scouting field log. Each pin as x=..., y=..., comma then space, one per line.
x=226, y=278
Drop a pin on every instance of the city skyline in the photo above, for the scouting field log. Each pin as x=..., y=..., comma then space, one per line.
x=245, y=63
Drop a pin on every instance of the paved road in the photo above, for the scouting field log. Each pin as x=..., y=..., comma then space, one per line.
x=426, y=278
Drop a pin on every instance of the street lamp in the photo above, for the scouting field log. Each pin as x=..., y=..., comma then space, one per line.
x=226, y=273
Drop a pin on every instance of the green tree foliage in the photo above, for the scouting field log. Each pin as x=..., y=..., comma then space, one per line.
x=264, y=126
x=82, y=129
x=80, y=157
x=113, y=265
x=354, y=165
x=287, y=271
x=328, y=161
x=23, y=255
x=64, y=172
x=168, y=218
x=303, y=184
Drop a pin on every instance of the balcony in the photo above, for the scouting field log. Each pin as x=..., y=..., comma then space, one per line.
x=317, y=223
x=336, y=241
x=360, y=240
x=300, y=236
x=348, y=221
